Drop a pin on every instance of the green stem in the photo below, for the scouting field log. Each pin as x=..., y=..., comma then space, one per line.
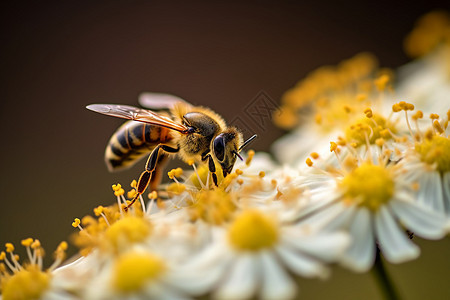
x=383, y=279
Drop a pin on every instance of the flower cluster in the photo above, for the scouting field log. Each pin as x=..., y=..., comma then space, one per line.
x=361, y=174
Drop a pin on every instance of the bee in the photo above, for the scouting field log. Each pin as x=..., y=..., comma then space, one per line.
x=192, y=132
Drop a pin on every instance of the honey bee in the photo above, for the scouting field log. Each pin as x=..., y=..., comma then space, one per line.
x=193, y=132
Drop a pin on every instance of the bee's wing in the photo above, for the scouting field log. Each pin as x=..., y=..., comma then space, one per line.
x=137, y=114
x=160, y=101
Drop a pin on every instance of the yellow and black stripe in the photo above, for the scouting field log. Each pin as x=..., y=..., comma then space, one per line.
x=132, y=141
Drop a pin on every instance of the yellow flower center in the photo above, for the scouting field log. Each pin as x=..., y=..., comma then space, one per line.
x=126, y=231
x=368, y=185
x=253, y=231
x=29, y=283
x=133, y=270
x=436, y=151
x=367, y=127
x=212, y=206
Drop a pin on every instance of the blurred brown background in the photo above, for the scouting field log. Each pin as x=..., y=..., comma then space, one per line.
x=57, y=57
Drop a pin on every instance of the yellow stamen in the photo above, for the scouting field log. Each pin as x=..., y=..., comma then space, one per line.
x=9, y=247
x=29, y=283
x=127, y=231
x=76, y=222
x=368, y=185
x=250, y=154
x=212, y=206
x=132, y=271
x=253, y=231
x=27, y=242
x=435, y=151
x=314, y=155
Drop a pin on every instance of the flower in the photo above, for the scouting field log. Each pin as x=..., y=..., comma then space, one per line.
x=426, y=162
x=250, y=257
x=29, y=280
x=327, y=102
x=373, y=200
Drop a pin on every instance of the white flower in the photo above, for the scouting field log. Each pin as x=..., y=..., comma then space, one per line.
x=137, y=274
x=374, y=203
x=251, y=257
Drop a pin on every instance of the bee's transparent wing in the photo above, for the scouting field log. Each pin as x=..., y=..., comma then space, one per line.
x=160, y=101
x=137, y=114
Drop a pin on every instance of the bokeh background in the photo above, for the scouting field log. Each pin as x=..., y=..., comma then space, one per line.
x=58, y=56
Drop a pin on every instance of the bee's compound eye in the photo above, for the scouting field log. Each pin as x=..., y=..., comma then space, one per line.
x=219, y=147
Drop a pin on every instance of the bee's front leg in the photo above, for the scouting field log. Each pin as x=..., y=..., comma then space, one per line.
x=150, y=167
x=212, y=168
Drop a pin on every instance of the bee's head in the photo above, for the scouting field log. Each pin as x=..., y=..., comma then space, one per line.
x=226, y=147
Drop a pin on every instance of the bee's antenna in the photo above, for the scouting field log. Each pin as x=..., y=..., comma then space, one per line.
x=238, y=155
x=248, y=142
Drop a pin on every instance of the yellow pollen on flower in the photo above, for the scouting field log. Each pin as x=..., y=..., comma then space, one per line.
x=333, y=146
x=132, y=271
x=430, y=31
x=131, y=194
x=368, y=112
x=9, y=247
x=368, y=185
x=36, y=244
x=212, y=206
x=435, y=151
x=2, y=255
x=176, y=188
x=27, y=242
x=262, y=174
x=175, y=173
x=251, y=154
x=118, y=190
x=253, y=231
x=438, y=126
x=76, y=222
x=28, y=283
x=133, y=184
x=361, y=97
x=314, y=155
x=190, y=162
x=434, y=116
x=127, y=231
x=153, y=195
x=285, y=117
x=98, y=210
x=309, y=162
x=366, y=127
x=381, y=82
x=239, y=172
x=417, y=115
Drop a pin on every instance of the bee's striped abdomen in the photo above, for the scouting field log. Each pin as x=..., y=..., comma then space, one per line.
x=132, y=141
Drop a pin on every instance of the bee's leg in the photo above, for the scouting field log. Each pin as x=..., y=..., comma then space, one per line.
x=150, y=167
x=212, y=168
x=159, y=171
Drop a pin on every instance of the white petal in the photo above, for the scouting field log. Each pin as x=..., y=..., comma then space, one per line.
x=446, y=186
x=157, y=290
x=276, y=284
x=198, y=281
x=321, y=217
x=421, y=220
x=430, y=191
x=326, y=246
x=393, y=241
x=242, y=280
x=361, y=254
x=302, y=264
x=343, y=219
